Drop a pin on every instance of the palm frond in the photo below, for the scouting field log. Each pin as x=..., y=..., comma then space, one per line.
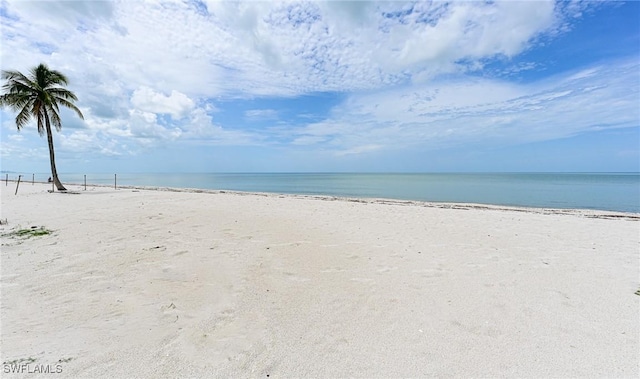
x=15, y=95
x=14, y=75
x=57, y=78
x=71, y=106
x=17, y=83
x=62, y=93
x=36, y=112
x=22, y=119
x=54, y=116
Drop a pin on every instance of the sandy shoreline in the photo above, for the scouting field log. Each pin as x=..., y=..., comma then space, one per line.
x=148, y=283
x=77, y=188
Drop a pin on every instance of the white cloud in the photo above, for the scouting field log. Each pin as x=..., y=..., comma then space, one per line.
x=267, y=48
x=16, y=137
x=77, y=141
x=261, y=114
x=200, y=128
x=144, y=126
x=480, y=111
x=69, y=13
x=177, y=104
x=358, y=150
x=308, y=139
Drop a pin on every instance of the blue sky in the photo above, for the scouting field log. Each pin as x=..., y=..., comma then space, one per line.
x=210, y=86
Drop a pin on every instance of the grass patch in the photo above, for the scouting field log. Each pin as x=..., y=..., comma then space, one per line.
x=34, y=231
x=19, y=361
x=638, y=292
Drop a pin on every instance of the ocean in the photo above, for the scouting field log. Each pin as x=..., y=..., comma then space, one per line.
x=600, y=191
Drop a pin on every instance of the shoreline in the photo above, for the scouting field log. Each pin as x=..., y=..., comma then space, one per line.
x=615, y=192
x=583, y=212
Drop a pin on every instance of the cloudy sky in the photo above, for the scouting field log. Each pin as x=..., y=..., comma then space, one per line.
x=257, y=86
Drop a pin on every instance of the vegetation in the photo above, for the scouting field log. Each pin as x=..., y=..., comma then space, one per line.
x=39, y=96
x=20, y=361
x=34, y=231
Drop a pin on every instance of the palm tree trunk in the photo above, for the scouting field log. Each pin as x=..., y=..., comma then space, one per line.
x=54, y=172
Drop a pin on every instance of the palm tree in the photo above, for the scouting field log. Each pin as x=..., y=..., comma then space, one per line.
x=39, y=96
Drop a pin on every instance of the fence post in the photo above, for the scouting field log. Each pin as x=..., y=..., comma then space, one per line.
x=18, y=185
x=6, y=180
x=115, y=181
x=33, y=179
x=85, y=182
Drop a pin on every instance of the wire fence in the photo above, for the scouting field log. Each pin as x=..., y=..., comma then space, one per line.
x=73, y=179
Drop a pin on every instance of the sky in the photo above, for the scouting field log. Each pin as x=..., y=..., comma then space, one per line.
x=331, y=86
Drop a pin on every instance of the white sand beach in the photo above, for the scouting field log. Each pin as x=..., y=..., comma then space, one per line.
x=155, y=283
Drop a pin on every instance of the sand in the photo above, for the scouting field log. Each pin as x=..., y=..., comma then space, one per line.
x=156, y=283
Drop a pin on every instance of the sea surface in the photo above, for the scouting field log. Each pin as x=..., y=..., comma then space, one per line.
x=601, y=191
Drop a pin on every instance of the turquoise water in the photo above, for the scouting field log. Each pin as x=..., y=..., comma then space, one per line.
x=603, y=191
